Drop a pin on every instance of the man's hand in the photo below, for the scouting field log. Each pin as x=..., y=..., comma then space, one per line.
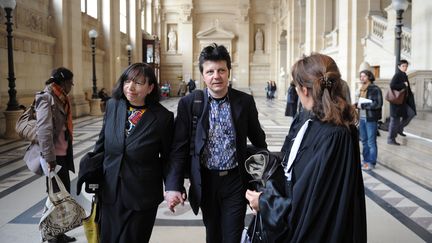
x=173, y=198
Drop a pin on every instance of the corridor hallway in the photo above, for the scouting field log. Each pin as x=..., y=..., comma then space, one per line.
x=398, y=209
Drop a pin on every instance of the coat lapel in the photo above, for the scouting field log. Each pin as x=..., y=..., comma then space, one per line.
x=236, y=107
x=120, y=127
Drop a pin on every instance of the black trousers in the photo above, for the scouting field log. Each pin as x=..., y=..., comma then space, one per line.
x=397, y=125
x=223, y=206
x=119, y=224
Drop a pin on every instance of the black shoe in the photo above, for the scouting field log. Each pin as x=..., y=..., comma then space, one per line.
x=65, y=238
x=402, y=134
x=393, y=143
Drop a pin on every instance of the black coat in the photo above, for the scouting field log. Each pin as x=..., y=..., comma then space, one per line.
x=136, y=163
x=292, y=101
x=326, y=202
x=398, y=83
x=245, y=118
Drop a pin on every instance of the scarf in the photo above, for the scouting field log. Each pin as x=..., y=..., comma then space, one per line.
x=363, y=90
x=134, y=116
x=63, y=97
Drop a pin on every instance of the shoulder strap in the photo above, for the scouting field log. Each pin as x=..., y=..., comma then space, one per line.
x=197, y=108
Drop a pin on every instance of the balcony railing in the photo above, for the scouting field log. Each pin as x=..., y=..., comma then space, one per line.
x=378, y=28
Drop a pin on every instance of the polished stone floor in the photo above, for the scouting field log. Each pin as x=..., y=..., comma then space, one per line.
x=398, y=209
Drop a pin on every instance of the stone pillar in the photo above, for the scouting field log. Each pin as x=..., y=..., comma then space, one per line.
x=95, y=107
x=243, y=47
x=185, y=41
x=135, y=30
x=113, y=45
x=421, y=35
x=68, y=49
x=11, y=117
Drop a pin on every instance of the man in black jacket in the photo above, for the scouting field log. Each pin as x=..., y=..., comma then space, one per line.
x=216, y=164
x=407, y=110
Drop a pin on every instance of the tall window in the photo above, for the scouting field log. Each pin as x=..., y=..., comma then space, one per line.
x=90, y=7
x=123, y=16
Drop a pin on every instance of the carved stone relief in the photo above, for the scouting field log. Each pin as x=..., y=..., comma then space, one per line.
x=186, y=13
x=244, y=13
x=32, y=20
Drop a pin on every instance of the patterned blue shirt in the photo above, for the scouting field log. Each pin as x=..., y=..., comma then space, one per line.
x=219, y=153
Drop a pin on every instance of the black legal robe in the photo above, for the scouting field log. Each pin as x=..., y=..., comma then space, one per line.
x=327, y=201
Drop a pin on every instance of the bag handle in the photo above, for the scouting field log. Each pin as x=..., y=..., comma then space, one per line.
x=60, y=185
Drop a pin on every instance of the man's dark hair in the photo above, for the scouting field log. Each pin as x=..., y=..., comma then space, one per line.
x=214, y=52
x=403, y=61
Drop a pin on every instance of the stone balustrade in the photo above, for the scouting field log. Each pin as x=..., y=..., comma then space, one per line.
x=378, y=26
x=406, y=41
x=378, y=31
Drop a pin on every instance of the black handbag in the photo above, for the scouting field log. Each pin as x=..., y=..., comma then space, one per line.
x=255, y=233
x=262, y=166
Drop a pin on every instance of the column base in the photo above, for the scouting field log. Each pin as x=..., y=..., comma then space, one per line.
x=95, y=108
x=11, y=117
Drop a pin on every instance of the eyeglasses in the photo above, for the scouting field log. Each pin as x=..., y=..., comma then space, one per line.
x=137, y=82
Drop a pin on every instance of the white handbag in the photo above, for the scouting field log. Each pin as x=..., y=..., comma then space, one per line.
x=61, y=214
x=32, y=158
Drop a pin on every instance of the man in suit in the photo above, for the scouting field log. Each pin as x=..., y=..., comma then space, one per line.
x=218, y=179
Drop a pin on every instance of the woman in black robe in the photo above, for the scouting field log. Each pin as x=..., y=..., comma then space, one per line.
x=321, y=198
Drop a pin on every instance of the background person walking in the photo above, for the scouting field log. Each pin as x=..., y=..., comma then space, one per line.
x=405, y=111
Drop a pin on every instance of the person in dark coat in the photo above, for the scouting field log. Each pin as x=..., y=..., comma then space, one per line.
x=405, y=111
x=136, y=139
x=217, y=174
x=321, y=198
x=292, y=100
x=370, y=114
x=191, y=85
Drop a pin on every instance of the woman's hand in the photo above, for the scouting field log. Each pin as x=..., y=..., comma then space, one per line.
x=253, y=198
x=52, y=165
